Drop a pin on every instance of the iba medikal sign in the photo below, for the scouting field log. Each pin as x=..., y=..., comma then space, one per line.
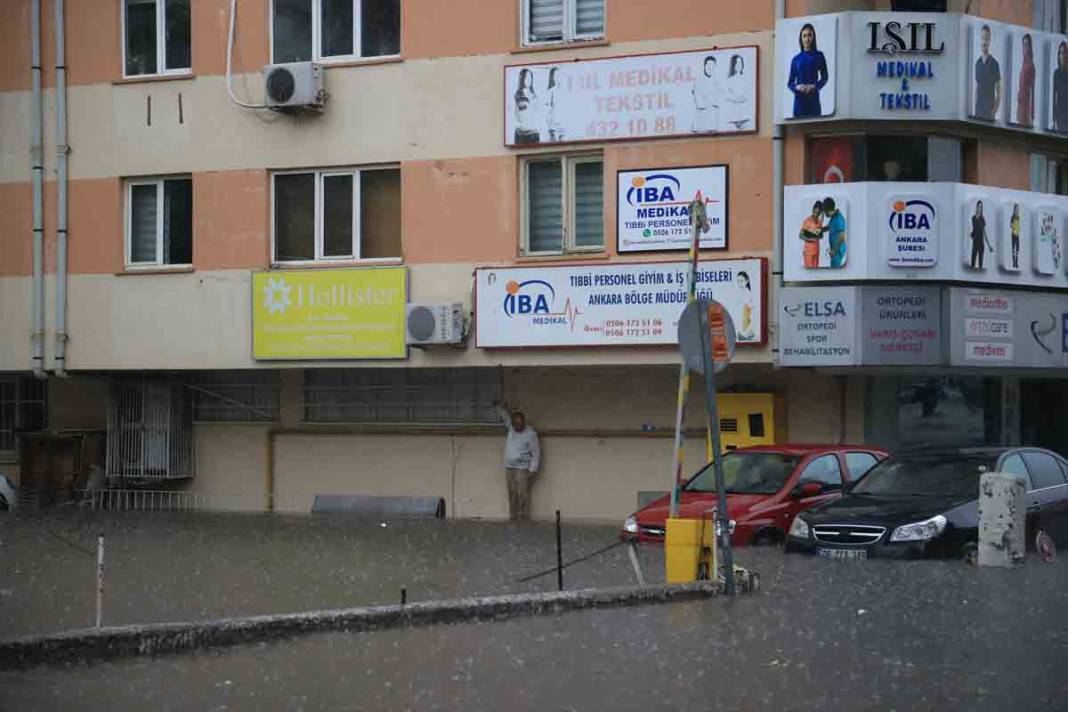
x=653, y=213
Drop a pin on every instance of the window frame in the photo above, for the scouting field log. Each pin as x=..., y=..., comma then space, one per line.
x=319, y=217
x=570, y=34
x=567, y=190
x=357, y=36
x=161, y=43
x=159, y=182
x=862, y=453
x=825, y=487
x=1035, y=485
x=15, y=381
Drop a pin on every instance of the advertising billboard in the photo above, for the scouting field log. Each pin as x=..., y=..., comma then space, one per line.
x=329, y=314
x=641, y=96
x=653, y=208
x=611, y=305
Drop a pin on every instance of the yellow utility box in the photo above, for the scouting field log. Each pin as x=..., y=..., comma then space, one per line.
x=747, y=419
x=689, y=550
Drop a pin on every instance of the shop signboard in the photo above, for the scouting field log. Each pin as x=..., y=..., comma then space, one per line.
x=629, y=304
x=855, y=326
x=639, y=96
x=652, y=208
x=921, y=67
x=1000, y=328
x=916, y=232
x=329, y=314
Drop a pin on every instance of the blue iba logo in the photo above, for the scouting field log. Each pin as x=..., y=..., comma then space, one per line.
x=911, y=215
x=655, y=188
x=534, y=296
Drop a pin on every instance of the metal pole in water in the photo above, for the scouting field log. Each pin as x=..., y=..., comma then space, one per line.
x=100, y=579
x=559, y=556
x=404, y=595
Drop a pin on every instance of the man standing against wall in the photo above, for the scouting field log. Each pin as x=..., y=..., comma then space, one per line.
x=522, y=456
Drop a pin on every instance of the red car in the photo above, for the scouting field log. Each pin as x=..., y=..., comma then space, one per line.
x=766, y=487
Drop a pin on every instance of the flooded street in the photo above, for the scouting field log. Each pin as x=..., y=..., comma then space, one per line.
x=821, y=634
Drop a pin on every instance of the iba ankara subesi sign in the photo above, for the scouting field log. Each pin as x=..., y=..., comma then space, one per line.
x=329, y=314
x=937, y=232
x=638, y=96
x=921, y=66
x=632, y=304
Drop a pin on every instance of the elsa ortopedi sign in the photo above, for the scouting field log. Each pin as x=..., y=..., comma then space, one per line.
x=653, y=210
x=329, y=314
x=641, y=96
x=609, y=305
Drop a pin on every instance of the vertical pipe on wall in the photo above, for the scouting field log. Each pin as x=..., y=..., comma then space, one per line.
x=37, y=336
x=778, y=150
x=61, y=185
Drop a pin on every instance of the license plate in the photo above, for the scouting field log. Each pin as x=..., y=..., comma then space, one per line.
x=843, y=553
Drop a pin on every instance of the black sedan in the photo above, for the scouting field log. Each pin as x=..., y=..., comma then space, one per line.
x=924, y=503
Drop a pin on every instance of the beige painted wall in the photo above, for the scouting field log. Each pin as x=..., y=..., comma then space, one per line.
x=231, y=465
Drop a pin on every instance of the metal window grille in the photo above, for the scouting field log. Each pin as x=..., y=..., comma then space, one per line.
x=423, y=396
x=22, y=408
x=235, y=396
x=150, y=430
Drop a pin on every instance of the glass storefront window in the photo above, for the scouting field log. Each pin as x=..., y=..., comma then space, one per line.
x=883, y=157
x=934, y=411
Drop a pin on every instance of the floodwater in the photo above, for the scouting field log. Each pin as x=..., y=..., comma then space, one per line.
x=821, y=635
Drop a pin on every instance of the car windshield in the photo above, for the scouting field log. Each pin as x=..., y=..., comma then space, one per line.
x=942, y=475
x=748, y=473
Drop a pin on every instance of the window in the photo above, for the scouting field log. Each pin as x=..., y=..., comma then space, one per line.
x=1051, y=15
x=1049, y=174
x=155, y=37
x=306, y=30
x=150, y=429
x=918, y=5
x=546, y=21
x=858, y=463
x=1045, y=472
x=842, y=159
x=747, y=473
x=159, y=222
x=22, y=408
x=235, y=396
x=564, y=205
x=824, y=470
x=401, y=395
x=1014, y=465
x=337, y=215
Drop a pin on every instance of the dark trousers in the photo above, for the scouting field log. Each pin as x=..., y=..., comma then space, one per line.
x=977, y=253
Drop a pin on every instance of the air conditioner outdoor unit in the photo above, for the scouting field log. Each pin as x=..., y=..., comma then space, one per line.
x=298, y=85
x=429, y=324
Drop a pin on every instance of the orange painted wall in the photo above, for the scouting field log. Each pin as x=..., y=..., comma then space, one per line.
x=460, y=210
x=1003, y=165
x=1017, y=12
x=16, y=205
x=95, y=239
x=629, y=21
x=231, y=212
x=433, y=28
x=211, y=23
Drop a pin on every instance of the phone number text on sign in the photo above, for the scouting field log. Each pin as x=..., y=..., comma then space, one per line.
x=627, y=304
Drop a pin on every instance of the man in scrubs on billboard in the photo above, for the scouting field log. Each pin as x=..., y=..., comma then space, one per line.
x=987, y=79
x=836, y=233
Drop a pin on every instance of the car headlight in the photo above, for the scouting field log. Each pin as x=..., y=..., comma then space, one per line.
x=799, y=528
x=630, y=525
x=920, y=531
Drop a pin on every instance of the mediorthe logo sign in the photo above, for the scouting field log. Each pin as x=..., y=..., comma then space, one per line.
x=912, y=232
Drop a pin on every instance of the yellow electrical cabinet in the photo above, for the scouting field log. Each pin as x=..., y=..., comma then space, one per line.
x=689, y=550
x=747, y=419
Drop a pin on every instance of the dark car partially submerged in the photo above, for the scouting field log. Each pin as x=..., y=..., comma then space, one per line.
x=925, y=504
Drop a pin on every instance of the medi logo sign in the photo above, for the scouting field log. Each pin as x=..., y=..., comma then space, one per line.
x=911, y=232
x=653, y=208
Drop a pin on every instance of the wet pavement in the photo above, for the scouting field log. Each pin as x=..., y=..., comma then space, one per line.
x=821, y=635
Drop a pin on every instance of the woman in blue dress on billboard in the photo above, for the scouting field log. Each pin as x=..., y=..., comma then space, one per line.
x=808, y=75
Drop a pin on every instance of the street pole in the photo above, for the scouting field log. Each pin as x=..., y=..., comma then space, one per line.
x=717, y=460
x=699, y=221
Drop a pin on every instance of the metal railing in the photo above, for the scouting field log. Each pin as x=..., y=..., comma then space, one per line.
x=128, y=500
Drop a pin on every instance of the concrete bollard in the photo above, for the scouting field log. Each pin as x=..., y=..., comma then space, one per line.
x=1002, y=523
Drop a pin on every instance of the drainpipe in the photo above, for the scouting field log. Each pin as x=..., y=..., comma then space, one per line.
x=37, y=336
x=61, y=184
x=777, y=153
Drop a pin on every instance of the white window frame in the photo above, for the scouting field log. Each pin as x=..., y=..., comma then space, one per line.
x=161, y=43
x=317, y=39
x=158, y=263
x=570, y=26
x=568, y=196
x=357, y=235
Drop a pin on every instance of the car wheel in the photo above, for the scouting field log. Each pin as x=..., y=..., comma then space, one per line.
x=1046, y=547
x=768, y=537
x=970, y=553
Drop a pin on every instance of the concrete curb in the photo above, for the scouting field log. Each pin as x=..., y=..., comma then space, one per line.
x=95, y=644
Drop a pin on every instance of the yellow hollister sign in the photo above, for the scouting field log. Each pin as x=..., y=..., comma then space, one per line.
x=329, y=314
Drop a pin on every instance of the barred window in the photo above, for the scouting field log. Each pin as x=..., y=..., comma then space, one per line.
x=426, y=396
x=22, y=408
x=235, y=396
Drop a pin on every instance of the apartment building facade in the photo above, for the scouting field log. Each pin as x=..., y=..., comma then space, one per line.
x=232, y=292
